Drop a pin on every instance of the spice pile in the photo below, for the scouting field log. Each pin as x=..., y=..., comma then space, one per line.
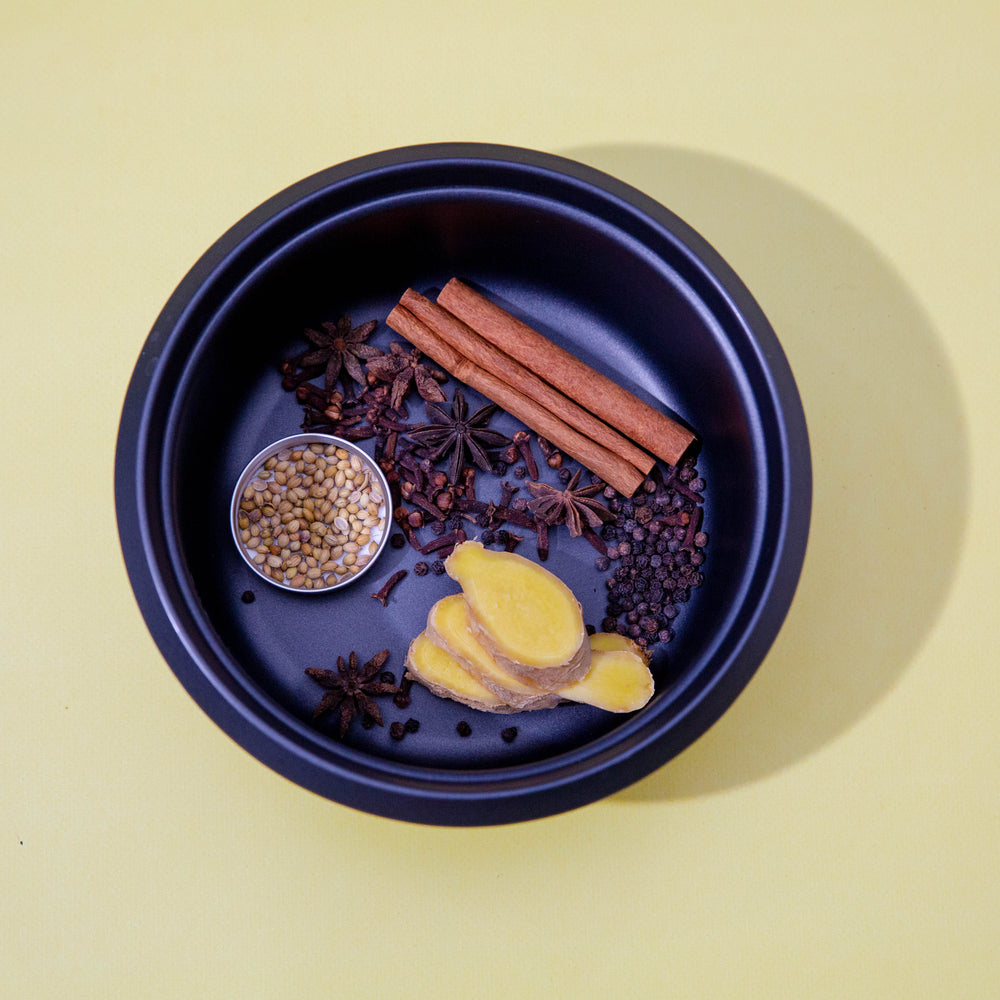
x=312, y=516
x=453, y=477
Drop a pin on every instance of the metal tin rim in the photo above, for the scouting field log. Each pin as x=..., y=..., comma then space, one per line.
x=290, y=442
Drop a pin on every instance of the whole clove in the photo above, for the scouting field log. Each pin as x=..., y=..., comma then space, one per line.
x=553, y=457
x=382, y=595
x=448, y=541
x=498, y=514
x=401, y=516
x=523, y=441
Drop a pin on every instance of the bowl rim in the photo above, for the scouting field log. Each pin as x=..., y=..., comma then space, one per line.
x=405, y=791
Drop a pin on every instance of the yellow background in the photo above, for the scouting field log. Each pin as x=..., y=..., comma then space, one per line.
x=836, y=833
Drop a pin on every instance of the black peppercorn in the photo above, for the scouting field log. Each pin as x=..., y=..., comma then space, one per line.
x=248, y=597
x=509, y=734
x=397, y=541
x=420, y=569
x=411, y=725
x=437, y=567
x=397, y=730
x=463, y=729
x=602, y=563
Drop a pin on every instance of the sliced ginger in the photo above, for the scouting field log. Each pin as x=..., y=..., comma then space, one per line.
x=619, y=679
x=442, y=674
x=514, y=641
x=525, y=616
x=449, y=625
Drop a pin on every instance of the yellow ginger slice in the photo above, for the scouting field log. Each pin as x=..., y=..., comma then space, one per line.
x=439, y=671
x=619, y=679
x=526, y=617
x=449, y=626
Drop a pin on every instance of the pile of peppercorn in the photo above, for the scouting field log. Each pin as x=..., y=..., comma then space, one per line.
x=657, y=542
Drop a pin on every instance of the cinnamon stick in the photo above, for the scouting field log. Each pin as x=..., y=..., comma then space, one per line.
x=646, y=426
x=612, y=468
x=484, y=354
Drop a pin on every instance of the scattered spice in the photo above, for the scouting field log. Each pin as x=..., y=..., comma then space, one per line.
x=382, y=595
x=397, y=730
x=412, y=725
x=463, y=729
x=447, y=541
x=351, y=690
x=573, y=506
x=338, y=349
x=403, y=369
x=248, y=597
x=658, y=556
x=402, y=698
x=462, y=436
x=651, y=537
x=523, y=442
x=553, y=457
x=509, y=734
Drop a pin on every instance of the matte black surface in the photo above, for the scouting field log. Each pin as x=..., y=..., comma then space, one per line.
x=591, y=262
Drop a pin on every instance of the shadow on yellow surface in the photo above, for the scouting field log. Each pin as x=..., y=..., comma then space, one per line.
x=890, y=461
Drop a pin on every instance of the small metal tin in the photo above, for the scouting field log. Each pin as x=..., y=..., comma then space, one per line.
x=255, y=472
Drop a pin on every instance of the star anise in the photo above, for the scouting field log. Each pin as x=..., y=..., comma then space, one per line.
x=463, y=436
x=570, y=506
x=403, y=369
x=352, y=690
x=338, y=349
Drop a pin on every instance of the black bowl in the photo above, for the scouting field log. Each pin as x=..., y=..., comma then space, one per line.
x=602, y=269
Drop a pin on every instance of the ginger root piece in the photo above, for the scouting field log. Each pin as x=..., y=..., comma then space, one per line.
x=449, y=626
x=525, y=616
x=439, y=671
x=619, y=679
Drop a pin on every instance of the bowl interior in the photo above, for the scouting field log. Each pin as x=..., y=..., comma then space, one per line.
x=577, y=263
